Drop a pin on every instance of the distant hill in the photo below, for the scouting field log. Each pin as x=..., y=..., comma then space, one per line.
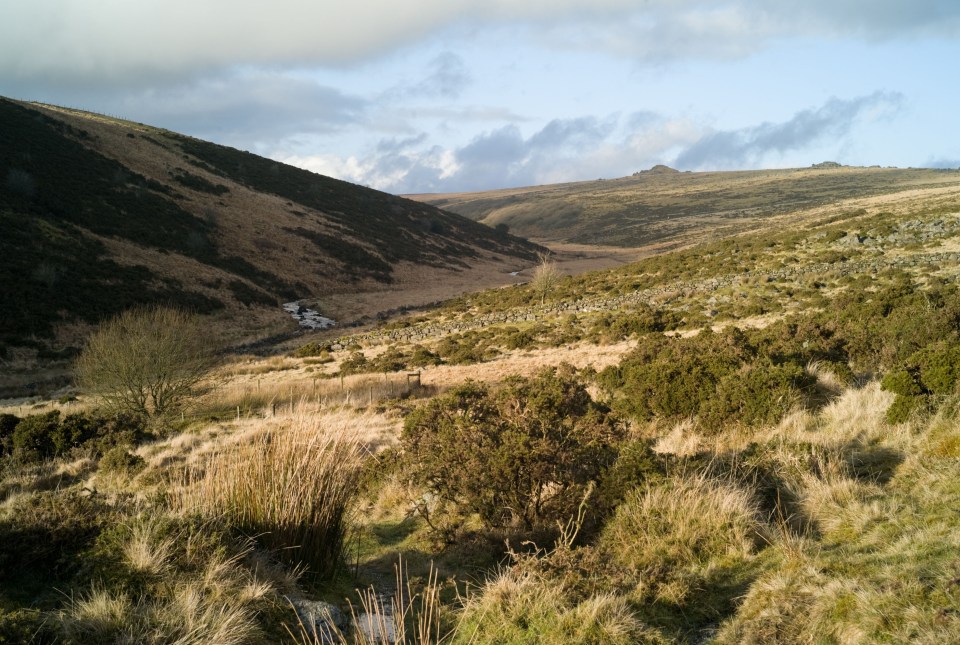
x=99, y=214
x=662, y=206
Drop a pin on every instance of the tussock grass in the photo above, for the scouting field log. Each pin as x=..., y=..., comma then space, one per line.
x=218, y=605
x=522, y=607
x=290, y=487
x=671, y=537
x=883, y=568
x=148, y=550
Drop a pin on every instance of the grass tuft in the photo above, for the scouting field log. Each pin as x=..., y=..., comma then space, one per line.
x=288, y=487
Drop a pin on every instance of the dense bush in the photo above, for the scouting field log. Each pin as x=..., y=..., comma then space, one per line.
x=313, y=348
x=717, y=378
x=121, y=461
x=356, y=363
x=520, y=455
x=7, y=424
x=33, y=436
x=45, y=436
x=924, y=379
x=755, y=394
x=882, y=329
x=467, y=348
x=636, y=465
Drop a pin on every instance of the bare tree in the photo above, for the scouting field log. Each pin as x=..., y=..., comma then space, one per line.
x=146, y=361
x=545, y=277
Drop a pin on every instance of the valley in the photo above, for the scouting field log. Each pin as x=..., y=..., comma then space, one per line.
x=691, y=408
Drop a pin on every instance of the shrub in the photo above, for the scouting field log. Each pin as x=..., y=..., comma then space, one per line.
x=44, y=436
x=923, y=380
x=717, y=378
x=356, y=363
x=146, y=361
x=391, y=360
x=33, y=436
x=520, y=455
x=423, y=357
x=465, y=349
x=8, y=422
x=120, y=460
x=759, y=393
x=675, y=377
x=636, y=465
x=74, y=431
x=313, y=348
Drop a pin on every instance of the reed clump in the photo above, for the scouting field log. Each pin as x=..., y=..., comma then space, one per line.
x=290, y=487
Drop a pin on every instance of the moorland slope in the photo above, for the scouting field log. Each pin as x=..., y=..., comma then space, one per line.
x=99, y=214
x=667, y=208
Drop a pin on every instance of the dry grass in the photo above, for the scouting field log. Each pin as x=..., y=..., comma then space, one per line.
x=290, y=486
x=522, y=607
x=214, y=608
x=148, y=550
x=267, y=397
x=684, y=527
x=527, y=363
x=409, y=615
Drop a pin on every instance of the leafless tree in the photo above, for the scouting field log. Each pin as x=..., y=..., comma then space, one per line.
x=146, y=361
x=545, y=277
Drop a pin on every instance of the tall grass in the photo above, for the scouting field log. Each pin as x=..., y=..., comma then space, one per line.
x=265, y=398
x=290, y=487
x=410, y=615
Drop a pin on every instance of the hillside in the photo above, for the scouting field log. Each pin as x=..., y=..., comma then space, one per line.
x=754, y=439
x=668, y=208
x=99, y=214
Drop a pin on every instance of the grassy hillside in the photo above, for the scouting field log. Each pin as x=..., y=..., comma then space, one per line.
x=660, y=206
x=99, y=214
x=753, y=440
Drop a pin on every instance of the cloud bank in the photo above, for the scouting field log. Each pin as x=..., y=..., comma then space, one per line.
x=150, y=41
x=588, y=147
x=749, y=146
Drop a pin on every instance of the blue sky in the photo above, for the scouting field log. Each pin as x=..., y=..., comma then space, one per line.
x=448, y=95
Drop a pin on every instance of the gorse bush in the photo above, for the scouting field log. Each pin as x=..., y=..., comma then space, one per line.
x=883, y=328
x=923, y=380
x=44, y=436
x=521, y=455
x=716, y=378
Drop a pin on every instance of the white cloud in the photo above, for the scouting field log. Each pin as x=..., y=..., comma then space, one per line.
x=749, y=146
x=250, y=105
x=563, y=150
x=587, y=147
x=147, y=41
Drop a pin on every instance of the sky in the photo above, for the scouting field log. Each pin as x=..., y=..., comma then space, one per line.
x=422, y=96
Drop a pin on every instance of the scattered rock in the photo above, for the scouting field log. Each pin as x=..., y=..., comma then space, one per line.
x=325, y=623
x=308, y=318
